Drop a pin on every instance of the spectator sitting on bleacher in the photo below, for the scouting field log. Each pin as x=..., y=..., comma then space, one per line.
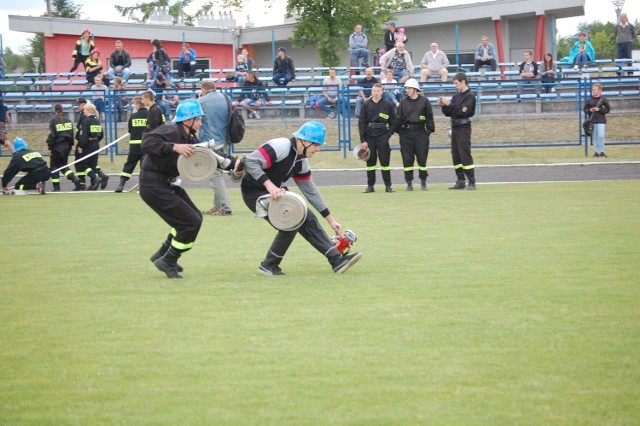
x=159, y=61
x=93, y=66
x=250, y=62
x=582, y=52
x=434, y=62
x=99, y=99
x=528, y=72
x=84, y=46
x=283, y=69
x=252, y=101
x=391, y=95
x=485, y=55
x=187, y=61
x=331, y=88
x=241, y=70
x=160, y=86
x=358, y=47
x=548, y=73
x=119, y=63
x=398, y=60
x=365, y=93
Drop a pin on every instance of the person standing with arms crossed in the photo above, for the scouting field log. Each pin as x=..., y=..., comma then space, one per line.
x=374, y=118
x=414, y=123
x=137, y=126
x=460, y=108
x=215, y=126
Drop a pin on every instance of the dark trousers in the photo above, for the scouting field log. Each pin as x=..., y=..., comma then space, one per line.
x=310, y=231
x=379, y=148
x=30, y=180
x=281, y=79
x=88, y=166
x=175, y=207
x=135, y=155
x=414, y=145
x=478, y=63
x=185, y=67
x=79, y=59
x=461, y=153
x=59, y=158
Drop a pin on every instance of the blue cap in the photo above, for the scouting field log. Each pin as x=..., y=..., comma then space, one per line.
x=19, y=144
x=390, y=23
x=281, y=49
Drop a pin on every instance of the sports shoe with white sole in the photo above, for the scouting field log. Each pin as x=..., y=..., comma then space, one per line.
x=346, y=262
x=270, y=269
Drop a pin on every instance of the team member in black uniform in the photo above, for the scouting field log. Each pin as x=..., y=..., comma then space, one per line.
x=60, y=141
x=89, y=142
x=137, y=126
x=161, y=148
x=374, y=118
x=460, y=108
x=414, y=124
x=25, y=160
x=267, y=169
x=80, y=167
x=155, y=116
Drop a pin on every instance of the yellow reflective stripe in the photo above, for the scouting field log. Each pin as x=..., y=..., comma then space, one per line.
x=173, y=232
x=61, y=127
x=54, y=180
x=80, y=173
x=385, y=168
x=370, y=168
x=383, y=115
x=180, y=246
x=458, y=166
x=139, y=122
x=408, y=169
x=468, y=167
x=135, y=142
x=87, y=170
x=422, y=168
x=31, y=155
x=67, y=173
x=95, y=128
x=123, y=174
x=423, y=117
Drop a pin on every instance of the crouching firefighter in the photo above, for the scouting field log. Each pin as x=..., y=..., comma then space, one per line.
x=27, y=161
x=159, y=187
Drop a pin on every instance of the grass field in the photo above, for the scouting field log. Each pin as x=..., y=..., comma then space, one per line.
x=516, y=304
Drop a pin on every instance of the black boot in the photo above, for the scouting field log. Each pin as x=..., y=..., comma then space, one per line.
x=120, y=187
x=409, y=186
x=369, y=189
x=41, y=188
x=80, y=184
x=104, y=179
x=423, y=185
x=169, y=263
x=460, y=184
x=56, y=187
x=161, y=251
x=95, y=183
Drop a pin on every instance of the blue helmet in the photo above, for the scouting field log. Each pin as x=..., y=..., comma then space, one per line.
x=19, y=144
x=188, y=109
x=311, y=131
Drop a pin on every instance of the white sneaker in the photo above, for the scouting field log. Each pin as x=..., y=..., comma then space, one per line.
x=331, y=115
x=256, y=115
x=250, y=115
x=576, y=68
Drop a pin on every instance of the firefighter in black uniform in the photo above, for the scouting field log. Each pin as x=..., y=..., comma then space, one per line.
x=155, y=116
x=25, y=160
x=460, y=108
x=267, y=169
x=89, y=142
x=161, y=148
x=374, y=118
x=414, y=124
x=80, y=167
x=137, y=126
x=60, y=141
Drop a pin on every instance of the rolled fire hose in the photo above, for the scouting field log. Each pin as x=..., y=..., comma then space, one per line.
x=198, y=167
x=288, y=212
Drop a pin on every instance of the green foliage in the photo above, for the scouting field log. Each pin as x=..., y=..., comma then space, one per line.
x=142, y=11
x=602, y=37
x=16, y=61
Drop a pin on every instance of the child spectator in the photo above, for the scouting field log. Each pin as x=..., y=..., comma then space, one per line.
x=241, y=70
x=93, y=66
x=100, y=99
x=400, y=36
x=582, y=52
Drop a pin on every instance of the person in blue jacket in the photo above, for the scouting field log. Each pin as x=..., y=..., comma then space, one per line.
x=582, y=53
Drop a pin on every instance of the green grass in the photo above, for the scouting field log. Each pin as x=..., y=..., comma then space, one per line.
x=516, y=304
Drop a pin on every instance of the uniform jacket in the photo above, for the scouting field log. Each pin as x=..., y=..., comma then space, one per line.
x=60, y=134
x=137, y=125
x=413, y=112
x=78, y=46
x=375, y=112
x=463, y=105
x=92, y=133
x=22, y=161
x=155, y=117
x=277, y=160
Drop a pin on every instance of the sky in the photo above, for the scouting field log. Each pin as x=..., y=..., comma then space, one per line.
x=103, y=10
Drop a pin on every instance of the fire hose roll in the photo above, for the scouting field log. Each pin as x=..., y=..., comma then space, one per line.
x=199, y=167
x=288, y=212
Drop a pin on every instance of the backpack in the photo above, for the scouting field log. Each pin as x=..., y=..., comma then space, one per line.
x=236, y=123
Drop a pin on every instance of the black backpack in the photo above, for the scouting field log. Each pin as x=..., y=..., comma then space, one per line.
x=236, y=123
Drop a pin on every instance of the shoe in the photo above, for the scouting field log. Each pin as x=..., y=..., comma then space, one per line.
x=345, y=262
x=157, y=255
x=167, y=268
x=56, y=188
x=256, y=115
x=80, y=188
x=250, y=115
x=471, y=187
x=104, y=182
x=368, y=190
x=603, y=155
x=458, y=185
x=584, y=67
x=270, y=269
x=95, y=184
x=331, y=115
x=389, y=189
x=423, y=186
x=221, y=212
x=576, y=68
x=596, y=155
x=120, y=187
x=40, y=188
x=409, y=186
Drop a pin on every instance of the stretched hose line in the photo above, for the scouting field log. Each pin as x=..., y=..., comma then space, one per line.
x=92, y=154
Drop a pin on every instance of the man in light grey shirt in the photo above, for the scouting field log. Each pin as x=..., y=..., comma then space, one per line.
x=434, y=62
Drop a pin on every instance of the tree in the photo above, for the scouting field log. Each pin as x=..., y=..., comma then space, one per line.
x=59, y=8
x=322, y=24
x=601, y=36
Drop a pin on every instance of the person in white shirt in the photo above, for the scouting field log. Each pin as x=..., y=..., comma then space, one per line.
x=434, y=62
